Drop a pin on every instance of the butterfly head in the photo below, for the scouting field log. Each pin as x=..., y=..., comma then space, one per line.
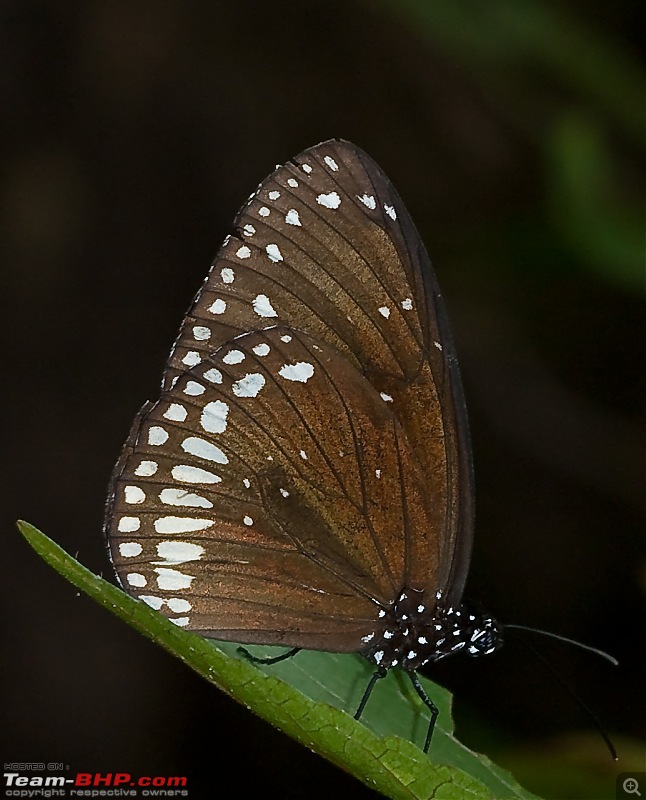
x=485, y=637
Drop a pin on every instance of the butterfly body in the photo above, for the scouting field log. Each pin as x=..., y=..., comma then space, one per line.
x=413, y=633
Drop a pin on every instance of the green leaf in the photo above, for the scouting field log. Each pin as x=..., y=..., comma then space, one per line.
x=312, y=698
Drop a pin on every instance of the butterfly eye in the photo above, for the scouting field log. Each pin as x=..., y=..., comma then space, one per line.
x=305, y=476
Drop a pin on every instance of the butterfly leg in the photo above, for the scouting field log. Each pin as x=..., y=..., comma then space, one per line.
x=380, y=673
x=429, y=704
x=270, y=659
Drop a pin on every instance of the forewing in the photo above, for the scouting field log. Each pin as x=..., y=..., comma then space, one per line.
x=326, y=246
x=271, y=496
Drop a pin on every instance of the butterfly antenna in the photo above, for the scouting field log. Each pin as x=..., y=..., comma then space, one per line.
x=587, y=647
x=568, y=688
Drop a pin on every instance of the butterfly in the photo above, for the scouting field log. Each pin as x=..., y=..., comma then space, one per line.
x=305, y=478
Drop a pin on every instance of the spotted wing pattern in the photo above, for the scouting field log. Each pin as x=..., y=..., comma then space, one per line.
x=326, y=246
x=351, y=482
x=271, y=496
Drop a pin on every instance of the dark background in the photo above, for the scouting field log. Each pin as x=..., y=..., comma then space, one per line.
x=131, y=134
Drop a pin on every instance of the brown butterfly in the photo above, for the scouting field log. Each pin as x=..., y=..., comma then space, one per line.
x=305, y=477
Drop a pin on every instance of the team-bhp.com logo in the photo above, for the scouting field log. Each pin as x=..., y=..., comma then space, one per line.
x=94, y=784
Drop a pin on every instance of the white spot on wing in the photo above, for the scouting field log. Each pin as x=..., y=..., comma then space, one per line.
x=369, y=201
x=180, y=552
x=176, y=412
x=306, y=168
x=152, y=601
x=136, y=579
x=134, y=495
x=248, y=521
x=301, y=372
x=438, y=345
x=331, y=163
x=261, y=349
x=407, y=304
x=248, y=230
x=181, y=524
x=201, y=333
x=157, y=435
x=286, y=338
x=264, y=211
x=292, y=182
x=178, y=604
x=187, y=474
x=129, y=524
x=172, y=579
x=214, y=417
x=228, y=275
x=243, y=252
x=274, y=253
x=130, y=549
x=146, y=468
x=274, y=195
x=385, y=397
x=249, y=386
x=218, y=306
x=192, y=358
x=390, y=211
x=194, y=389
x=180, y=497
x=263, y=307
x=233, y=357
x=203, y=449
x=384, y=311
x=292, y=217
x=331, y=200
x=213, y=375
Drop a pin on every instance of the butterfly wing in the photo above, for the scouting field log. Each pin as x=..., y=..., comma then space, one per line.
x=271, y=496
x=326, y=246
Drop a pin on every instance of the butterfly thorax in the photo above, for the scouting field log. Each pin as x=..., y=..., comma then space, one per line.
x=413, y=633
